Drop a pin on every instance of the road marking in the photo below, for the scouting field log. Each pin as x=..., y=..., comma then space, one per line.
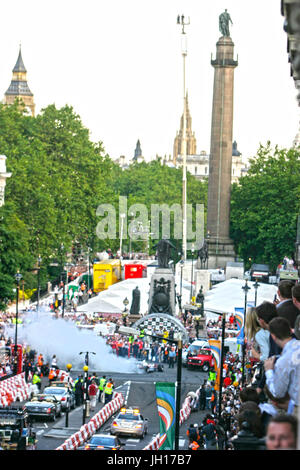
x=127, y=390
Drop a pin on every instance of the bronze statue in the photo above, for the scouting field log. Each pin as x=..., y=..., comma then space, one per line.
x=163, y=252
x=203, y=253
x=224, y=20
x=135, y=304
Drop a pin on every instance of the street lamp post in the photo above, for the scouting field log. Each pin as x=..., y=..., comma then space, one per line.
x=69, y=367
x=122, y=216
x=256, y=286
x=178, y=392
x=181, y=21
x=38, y=279
x=89, y=268
x=192, y=274
x=221, y=364
x=18, y=277
x=62, y=279
x=85, y=395
x=245, y=288
x=180, y=295
x=124, y=315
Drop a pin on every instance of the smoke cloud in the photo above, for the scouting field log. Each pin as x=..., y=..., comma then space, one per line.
x=48, y=335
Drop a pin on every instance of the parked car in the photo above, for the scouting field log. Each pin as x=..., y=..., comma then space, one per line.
x=203, y=358
x=193, y=348
x=260, y=272
x=44, y=406
x=104, y=442
x=68, y=387
x=63, y=395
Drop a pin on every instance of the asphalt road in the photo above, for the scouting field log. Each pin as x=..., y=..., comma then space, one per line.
x=138, y=390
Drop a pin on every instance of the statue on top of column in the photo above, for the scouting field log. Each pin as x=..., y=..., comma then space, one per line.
x=224, y=20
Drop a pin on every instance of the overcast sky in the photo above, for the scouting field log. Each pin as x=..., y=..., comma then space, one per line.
x=119, y=64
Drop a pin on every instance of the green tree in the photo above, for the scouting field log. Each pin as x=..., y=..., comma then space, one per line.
x=14, y=251
x=265, y=206
x=154, y=183
x=59, y=177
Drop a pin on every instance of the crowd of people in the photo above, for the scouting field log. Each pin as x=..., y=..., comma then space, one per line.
x=261, y=411
x=259, y=404
x=6, y=351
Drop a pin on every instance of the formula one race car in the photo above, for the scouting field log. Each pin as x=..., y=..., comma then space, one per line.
x=148, y=366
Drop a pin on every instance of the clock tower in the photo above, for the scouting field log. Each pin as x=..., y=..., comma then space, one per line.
x=18, y=88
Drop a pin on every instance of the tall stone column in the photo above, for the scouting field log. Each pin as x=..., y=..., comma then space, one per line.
x=220, y=246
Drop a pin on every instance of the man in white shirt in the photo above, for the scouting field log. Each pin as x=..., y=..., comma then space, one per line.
x=283, y=374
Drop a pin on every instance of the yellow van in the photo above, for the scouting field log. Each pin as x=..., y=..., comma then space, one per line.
x=106, y=273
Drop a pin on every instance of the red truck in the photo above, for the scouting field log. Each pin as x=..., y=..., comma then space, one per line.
x=202, y=358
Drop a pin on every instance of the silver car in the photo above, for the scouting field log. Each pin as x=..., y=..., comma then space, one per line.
x=129, y=421
x=61, y=394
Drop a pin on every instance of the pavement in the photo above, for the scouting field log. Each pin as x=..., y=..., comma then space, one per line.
x=71, y=422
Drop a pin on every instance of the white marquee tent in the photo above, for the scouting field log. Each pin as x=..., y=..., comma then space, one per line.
x=111, y=299
x=228, y=295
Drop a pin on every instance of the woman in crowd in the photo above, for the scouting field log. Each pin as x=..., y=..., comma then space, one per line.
x=257, y=336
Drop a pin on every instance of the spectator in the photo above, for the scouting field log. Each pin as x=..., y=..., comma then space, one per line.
x=296, y=295
x=286, y=307
x=202, y=397
x=172, y=356
x=284, y=376
x=265, y=313
x=250, y=412
x=92, y=392
x=282, y=433
x=209, y=433
x=249, y=394
x=54, y=362
x=258, y=335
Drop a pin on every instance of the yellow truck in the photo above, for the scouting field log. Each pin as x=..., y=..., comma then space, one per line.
x=106, y=273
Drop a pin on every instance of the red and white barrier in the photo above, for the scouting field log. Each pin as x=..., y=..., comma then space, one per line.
x=184, y=414
x=87, y=430
x=13, y=389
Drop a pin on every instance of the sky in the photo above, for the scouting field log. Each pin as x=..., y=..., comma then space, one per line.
x=119, y=64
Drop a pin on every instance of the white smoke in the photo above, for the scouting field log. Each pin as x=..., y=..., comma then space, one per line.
x=49, y=335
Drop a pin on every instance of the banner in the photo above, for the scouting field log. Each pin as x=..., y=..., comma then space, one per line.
x=239, y=318
x=166, y=404
x=215, y=346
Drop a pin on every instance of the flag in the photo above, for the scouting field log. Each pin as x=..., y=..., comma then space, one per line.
x=215, y=346
x=166, y=404
x=239, y=318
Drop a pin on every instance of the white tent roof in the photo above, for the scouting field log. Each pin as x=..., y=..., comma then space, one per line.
x=228, y=295
x=113, y=297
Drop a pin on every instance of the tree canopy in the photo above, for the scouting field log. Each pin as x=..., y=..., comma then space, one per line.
x=265, y=206
x=59, y=179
